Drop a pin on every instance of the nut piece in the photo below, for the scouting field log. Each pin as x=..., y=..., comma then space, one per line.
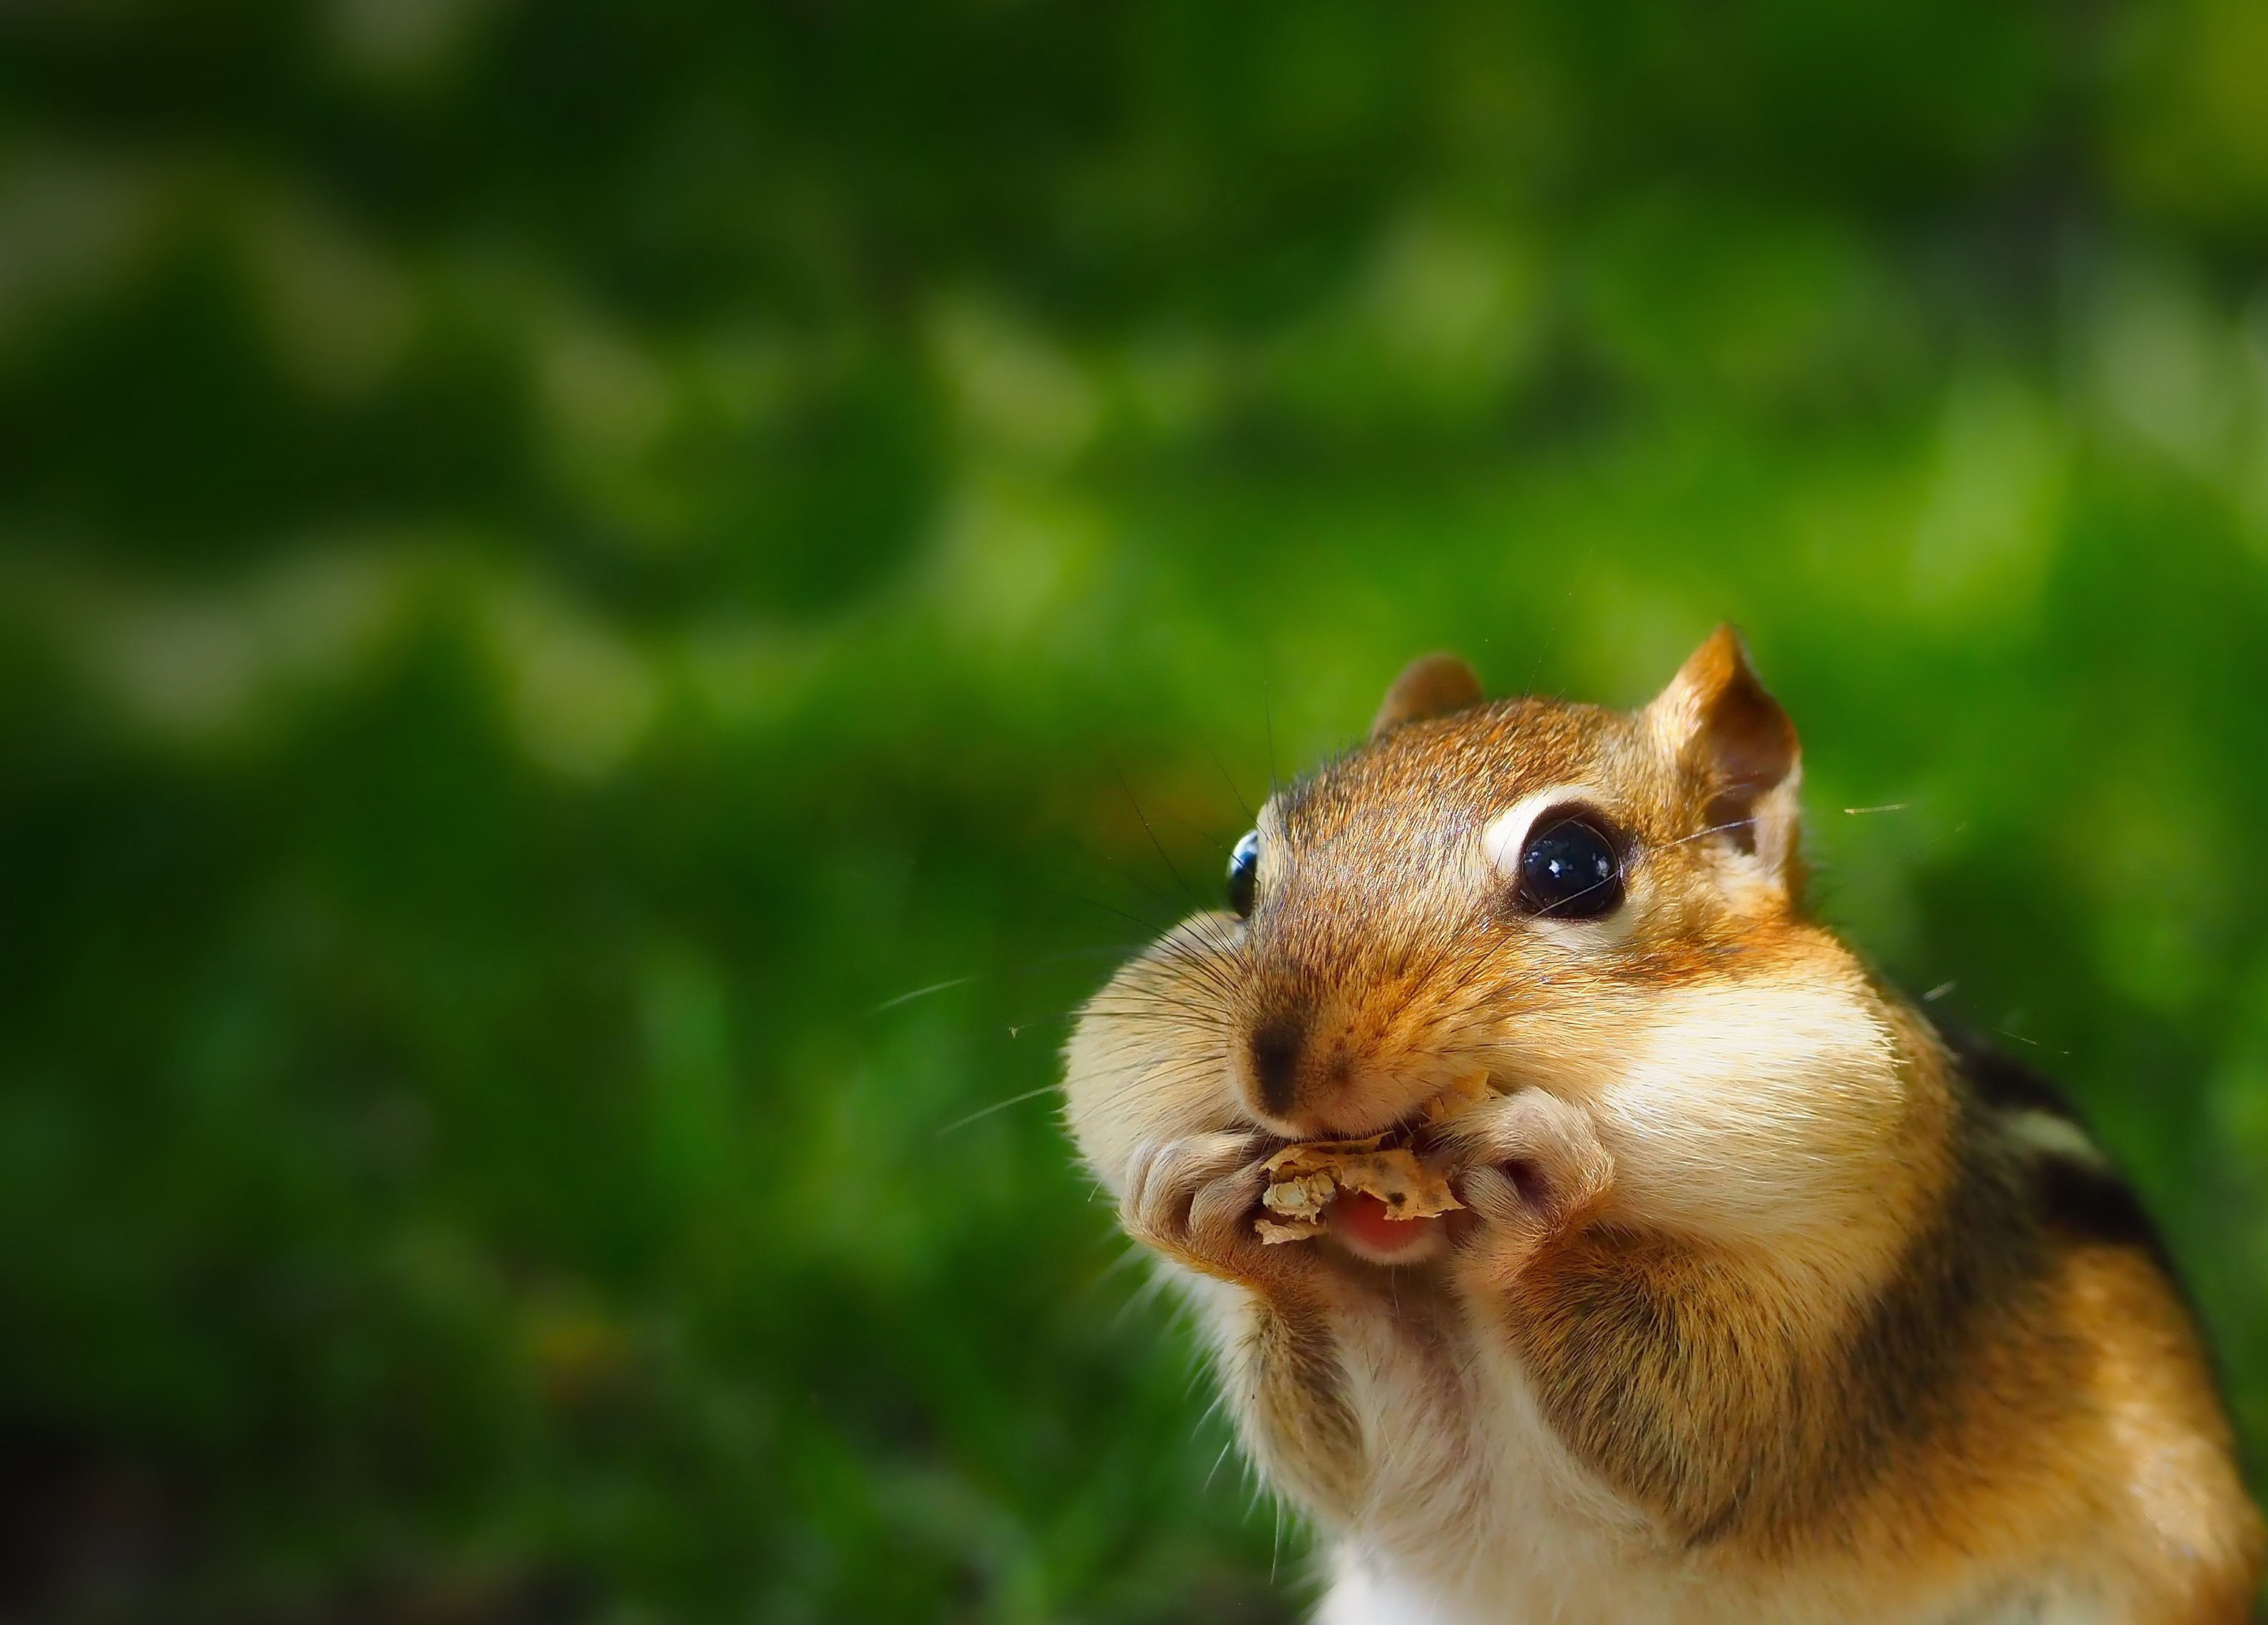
x=1459, y=1098
x=1303, y=1180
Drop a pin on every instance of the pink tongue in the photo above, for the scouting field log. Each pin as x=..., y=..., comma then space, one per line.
x=1366, y=1219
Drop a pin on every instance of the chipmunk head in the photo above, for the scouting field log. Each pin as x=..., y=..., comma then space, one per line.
x=1474, y=861
x=1606, y=904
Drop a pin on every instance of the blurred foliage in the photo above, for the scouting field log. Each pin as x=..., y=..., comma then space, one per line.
x=589, y=595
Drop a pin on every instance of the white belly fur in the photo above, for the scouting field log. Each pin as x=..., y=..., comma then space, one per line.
x=1483, y=1519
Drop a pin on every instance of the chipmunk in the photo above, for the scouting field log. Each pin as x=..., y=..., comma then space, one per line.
x=1759, y=1299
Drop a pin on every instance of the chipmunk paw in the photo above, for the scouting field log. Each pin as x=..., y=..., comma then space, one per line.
x=1533, y=1166
x=1193, y=1201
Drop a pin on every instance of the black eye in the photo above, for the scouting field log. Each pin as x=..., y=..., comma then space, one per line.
x=1244, y=874
x=1569, y=871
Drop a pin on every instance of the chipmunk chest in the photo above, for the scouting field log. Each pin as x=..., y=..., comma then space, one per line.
x=1475, y=1512
x=1469, y=1494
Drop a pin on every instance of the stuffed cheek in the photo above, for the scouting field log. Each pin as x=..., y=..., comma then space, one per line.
x=1145, y=1065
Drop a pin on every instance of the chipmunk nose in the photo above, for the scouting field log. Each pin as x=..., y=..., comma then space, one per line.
x=1275, y=1047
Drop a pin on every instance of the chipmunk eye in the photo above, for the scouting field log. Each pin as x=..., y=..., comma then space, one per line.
x=1569, y=870
x=1244, y=874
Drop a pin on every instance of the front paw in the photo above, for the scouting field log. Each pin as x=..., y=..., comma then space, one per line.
x=1195, y=1201
x=1534, y=1170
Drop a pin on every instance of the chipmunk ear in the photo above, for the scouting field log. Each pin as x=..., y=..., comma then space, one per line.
x=1430, y=686
x=1720, y=724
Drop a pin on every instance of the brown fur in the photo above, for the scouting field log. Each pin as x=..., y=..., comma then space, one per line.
x=1786, y=1277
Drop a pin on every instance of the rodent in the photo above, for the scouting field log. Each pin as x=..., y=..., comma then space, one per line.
x=1767, y=1300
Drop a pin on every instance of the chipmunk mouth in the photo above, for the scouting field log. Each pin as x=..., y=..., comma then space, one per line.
x=1418, y=1126
x=1383, y=1198
x=1368, y=1228
x=1429, y=1128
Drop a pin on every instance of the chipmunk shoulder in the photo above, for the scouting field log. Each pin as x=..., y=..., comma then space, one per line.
x=1760, y=1298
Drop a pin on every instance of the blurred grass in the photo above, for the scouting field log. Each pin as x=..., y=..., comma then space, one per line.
x=557, y=564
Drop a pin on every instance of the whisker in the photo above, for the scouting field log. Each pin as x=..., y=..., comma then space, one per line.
x=921, y=993
x=1158, y=845
x=1250, y=817
x=998, y=1106
x=1227, y=1445
x=1714, y=830
x=2034, y=1042
x=1132, y=877
x=1268, y=717
x=1136, y=919
x=1550, y=631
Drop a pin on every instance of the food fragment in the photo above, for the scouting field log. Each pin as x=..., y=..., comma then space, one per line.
x=1303, y=1180
x=1459, y=1098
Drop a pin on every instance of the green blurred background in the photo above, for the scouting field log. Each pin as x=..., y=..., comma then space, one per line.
x=560, y=563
